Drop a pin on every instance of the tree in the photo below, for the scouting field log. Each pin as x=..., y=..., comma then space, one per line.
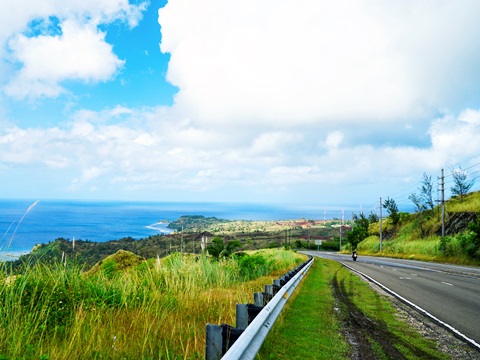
x=426, y=191
x=461, y=185
x=473, y=245
x=373, y=218
x=216, y=247
x=392, y=209
x=419, y=202
x=359, y=231
x=219, y=249
x=420, y=206
x=231, y=247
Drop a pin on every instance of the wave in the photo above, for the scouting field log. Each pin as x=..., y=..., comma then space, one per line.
x=11, y=255
x=160, y=227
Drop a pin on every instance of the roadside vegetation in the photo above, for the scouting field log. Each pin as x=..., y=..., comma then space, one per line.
x=419, y=235
x=332, y=310
x=127, y=307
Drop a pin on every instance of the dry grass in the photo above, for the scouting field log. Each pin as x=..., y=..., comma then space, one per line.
x=471, y=203
x=156, y=310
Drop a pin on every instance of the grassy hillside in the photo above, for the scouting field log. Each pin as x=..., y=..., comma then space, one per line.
x=418, y=236
x=127, y=307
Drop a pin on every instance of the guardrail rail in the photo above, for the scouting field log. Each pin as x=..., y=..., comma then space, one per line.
x=253, y=321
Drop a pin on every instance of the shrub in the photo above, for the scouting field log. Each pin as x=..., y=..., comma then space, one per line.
x=273, y=245
x=330, y=245
x=451, y=246
x=253, y=266
x=470, y=240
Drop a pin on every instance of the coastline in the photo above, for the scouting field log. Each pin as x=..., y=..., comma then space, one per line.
x=12, y=255
x=107, y=221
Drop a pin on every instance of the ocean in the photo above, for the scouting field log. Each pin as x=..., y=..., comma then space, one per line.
x=25, y=223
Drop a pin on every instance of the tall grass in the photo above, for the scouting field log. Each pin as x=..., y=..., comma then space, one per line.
x=156, y=310
x=470, y=203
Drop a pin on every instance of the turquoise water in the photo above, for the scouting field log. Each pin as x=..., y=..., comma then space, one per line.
x=25, y=223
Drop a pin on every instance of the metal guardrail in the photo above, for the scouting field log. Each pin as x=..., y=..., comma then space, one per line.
x=253, y=321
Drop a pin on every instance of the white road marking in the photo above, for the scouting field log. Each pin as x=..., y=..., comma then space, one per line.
x=443, y=282
x=405, y=278
x=414, y=274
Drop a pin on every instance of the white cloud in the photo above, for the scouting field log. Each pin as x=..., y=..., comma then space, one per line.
x=319, y=61
x=50, y=41
x=138, y=154
x=272, y=143
x=455, y=137
x=16, y=15
x=334, y=140
x=79, y=53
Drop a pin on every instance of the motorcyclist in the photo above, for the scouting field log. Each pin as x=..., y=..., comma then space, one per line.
x=354, y=255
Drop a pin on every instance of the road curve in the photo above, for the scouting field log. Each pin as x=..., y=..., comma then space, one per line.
x=448, y=292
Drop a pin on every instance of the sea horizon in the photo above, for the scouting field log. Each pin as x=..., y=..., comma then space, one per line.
x=25, y=223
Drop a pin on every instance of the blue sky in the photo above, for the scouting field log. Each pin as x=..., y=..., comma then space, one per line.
x=316, y=102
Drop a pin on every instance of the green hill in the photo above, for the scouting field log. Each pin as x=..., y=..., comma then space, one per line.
x=419, y=235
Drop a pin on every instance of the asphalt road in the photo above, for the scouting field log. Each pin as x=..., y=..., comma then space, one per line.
x=450, y=293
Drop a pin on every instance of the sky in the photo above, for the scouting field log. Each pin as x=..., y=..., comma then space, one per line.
x=306, y=102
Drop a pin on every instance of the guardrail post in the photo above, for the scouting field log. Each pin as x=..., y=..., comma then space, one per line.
x=252, y=311
x=213, y=349
x=241, y=316
x=277, y=285
x=245, y=313
x=229, y=336
x=258, y=299
x=268, y=294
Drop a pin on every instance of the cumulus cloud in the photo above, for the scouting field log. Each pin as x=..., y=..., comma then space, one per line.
x=79, y=53
x=274, y=142
x=136, y=153
x=276, y=62
x=333, y=140
x=50, y=41
x=456, y=136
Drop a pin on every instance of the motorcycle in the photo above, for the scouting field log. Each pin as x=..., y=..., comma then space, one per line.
x=354, y=256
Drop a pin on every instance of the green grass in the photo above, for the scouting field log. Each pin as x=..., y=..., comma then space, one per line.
x=417, y=237
x=310, y=325
x=157, y=309
x=471, y=203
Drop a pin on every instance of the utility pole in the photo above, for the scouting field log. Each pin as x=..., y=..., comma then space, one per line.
x=380, y=224
x=340, y=238
x=341, y=225
x=443, y=211
x=325, y=224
